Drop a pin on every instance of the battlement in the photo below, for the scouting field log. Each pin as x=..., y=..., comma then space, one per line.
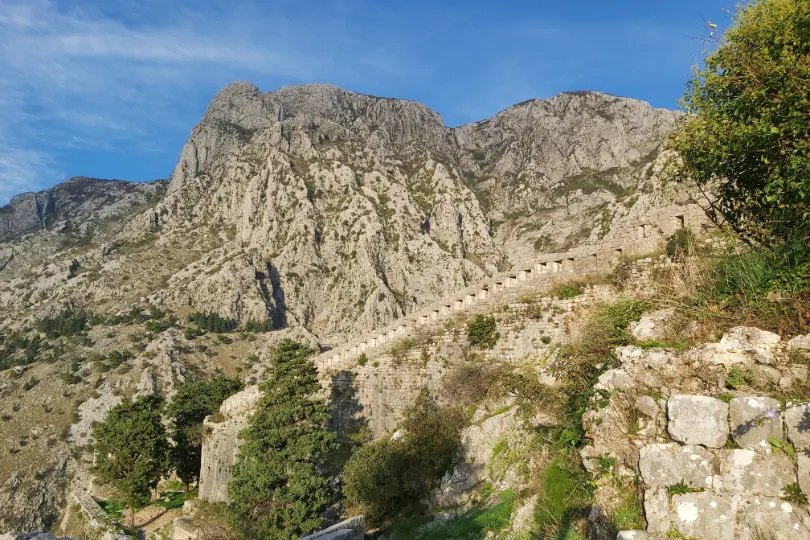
x=638, y=237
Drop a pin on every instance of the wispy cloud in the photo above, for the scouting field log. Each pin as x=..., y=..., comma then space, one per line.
x=88, y=77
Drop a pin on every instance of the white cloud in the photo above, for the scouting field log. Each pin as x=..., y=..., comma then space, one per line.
x=83, y=78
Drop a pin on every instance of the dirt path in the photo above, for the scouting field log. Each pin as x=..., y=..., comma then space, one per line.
x=151, y=518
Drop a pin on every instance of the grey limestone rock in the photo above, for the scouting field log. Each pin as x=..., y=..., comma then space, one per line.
x=663, y=465
x=797, y=421
x=743, y=411
x=698, y=420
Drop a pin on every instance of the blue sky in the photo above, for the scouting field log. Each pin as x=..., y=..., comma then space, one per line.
x=112, y=88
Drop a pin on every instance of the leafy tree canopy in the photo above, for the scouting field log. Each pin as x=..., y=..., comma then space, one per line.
x=747, y=140
x=194, y=401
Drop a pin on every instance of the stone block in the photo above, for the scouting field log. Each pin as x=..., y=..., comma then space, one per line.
x=775, y=518
x=698, y=420
x=632, y=535
x=704, y=515
x=656, y=510
x=743, y=411
x=745, y=471
x=665, y=465
x=803, y=461
x=614, y=379
x=797, y=421
x=800, y=343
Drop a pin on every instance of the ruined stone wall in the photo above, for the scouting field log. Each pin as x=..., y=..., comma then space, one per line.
x=350, y=529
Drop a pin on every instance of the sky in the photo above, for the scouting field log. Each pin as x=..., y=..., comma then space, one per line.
x=112, y=88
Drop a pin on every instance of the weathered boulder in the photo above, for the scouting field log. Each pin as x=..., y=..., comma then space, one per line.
x=745, y=471
x=799, y=343
x=754, y=420
x=665, y=465
x=776, y=518
x=698, y=420
x=632, y=535
x=740, y=345
x=797, y=421
x=652, y=326
x=614, y=379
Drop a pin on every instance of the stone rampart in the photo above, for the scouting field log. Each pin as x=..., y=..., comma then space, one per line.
x=639, y=237
x=379, y=396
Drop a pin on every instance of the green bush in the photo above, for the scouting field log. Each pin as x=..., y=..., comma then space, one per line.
x=566, y=291
x=212, y=322
x=747, y=138
x=482, y=331
x=362, y=360
x=738, y=377
x=390, y=478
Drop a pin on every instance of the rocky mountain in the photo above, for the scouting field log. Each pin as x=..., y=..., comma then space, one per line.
x=316, y=211
x=86, y=201
x=373, y=206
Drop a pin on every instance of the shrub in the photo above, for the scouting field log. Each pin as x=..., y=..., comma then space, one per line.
x=482, y=331
x=738, y=377
x=362, y=360
x=566, y=291
x=793, y=493
x=747, y=138
x=390, y=478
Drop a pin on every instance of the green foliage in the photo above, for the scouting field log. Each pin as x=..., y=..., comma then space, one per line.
x=66, y=323
x=748, y=135
x=212, y=322
x=566, y=291
x=473, y=524
x=194, y=401
x=681, y=244
x=277, y=490
x=793, y=493
x=258, y=326
x=390, y=478
x=582, y=363
x=681, y=489
x=564, y=498
x=482, y=331
x=132, y=452
x=738, y=377
x=362, y=360
x=781, y=446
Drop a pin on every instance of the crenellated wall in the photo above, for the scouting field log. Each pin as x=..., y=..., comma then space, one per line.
x=639, y=237
x=376, y=394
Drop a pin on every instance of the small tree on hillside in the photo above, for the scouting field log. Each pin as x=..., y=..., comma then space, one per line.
x=194, y=401
x=132, y=452
x=747, y=143
x=278, y=489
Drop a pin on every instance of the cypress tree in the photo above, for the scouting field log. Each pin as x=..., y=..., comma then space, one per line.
x=194, y=401
x=132, y=452
x=278, y=486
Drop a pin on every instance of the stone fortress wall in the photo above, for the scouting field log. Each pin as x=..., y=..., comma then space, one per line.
x=639, y=237
x=380, y=394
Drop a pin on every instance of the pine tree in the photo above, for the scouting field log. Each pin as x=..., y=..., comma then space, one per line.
x=194, y=401
x=132, y=452
x=278, y=488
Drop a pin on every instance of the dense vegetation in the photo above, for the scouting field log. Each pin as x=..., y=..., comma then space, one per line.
x=132, y=451
x=748, y=139
x=194, y=401
x=212, y=322
x=482, y=331
x=278, y=488
x=390, y=478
